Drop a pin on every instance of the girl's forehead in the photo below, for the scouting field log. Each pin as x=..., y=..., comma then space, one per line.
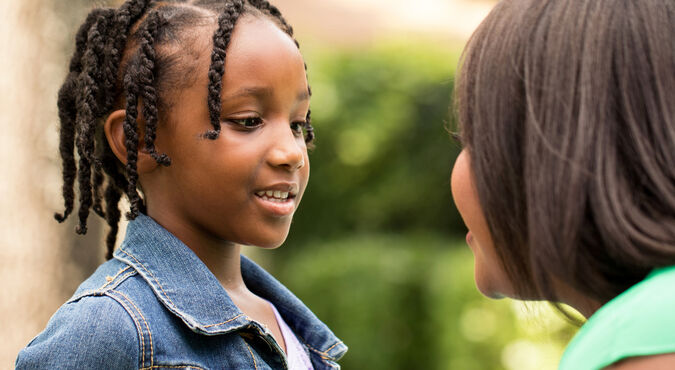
x=253, y=37
x=258, y=50
x=262, y=62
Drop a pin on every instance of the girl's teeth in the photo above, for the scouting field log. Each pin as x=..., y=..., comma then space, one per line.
x=273, y=195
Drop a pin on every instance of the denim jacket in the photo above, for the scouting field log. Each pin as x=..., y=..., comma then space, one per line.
x=155, y=305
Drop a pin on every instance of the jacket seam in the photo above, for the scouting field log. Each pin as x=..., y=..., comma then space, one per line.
x=224, y=322
x=152, y=353
x=153, y=277
x=255, y=364
x=102, y=290
x=113, y=278
x=138, y=326
x=322, y=354
x=333, y=346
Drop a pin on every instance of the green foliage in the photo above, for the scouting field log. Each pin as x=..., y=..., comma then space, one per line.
x=383, y=156
x=409, y=302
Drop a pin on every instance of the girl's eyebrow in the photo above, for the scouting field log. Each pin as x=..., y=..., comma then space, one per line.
x=262, y=92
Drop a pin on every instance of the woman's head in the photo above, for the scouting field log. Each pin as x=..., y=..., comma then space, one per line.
x=133, y=86
x=567, y=116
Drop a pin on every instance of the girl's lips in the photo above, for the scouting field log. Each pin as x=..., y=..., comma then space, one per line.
x=469, y=238
x=275, y=206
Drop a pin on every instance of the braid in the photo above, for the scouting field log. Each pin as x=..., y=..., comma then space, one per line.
x=81, y=39
x=67, y=113
x=88, y=103
x=309, y=130
x=112, y=216
x=147, y=79
x=221, y=39
x=128, y=14
x=131, y=135
x=116, y=183
x=65, y=104
x=100, y=29
x=98, y=183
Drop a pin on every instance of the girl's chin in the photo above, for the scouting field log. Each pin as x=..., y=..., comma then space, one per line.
x=272, y=242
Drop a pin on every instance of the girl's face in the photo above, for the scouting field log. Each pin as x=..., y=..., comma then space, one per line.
x=490, y=277
x=244, y=186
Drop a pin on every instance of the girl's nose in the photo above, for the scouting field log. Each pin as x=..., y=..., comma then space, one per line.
x=287, y=151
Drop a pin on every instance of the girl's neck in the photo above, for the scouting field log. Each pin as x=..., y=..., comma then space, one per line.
x=224, y=262
x=220, y=257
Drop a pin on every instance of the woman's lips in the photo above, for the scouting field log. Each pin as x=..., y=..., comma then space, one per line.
x=469, y=238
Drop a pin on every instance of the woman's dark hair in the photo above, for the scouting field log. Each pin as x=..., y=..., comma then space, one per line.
x=129, y=56
x=567, y=110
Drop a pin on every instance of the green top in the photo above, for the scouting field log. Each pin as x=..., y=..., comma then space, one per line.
x=638, y=322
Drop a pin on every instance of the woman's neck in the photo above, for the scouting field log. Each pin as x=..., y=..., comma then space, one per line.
x=575, y=299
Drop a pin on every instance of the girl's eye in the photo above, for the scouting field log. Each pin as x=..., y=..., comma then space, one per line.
x=248, y=122
x=297, y=127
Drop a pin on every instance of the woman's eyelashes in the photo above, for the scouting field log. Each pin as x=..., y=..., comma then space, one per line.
x=457, y=138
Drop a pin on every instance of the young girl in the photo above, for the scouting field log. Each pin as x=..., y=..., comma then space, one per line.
x=199, y=112
x=567, y=179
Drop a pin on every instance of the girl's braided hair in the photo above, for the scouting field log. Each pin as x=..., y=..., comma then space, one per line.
x=119, y=60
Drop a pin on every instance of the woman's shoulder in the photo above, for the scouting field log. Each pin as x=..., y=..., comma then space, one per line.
x=654, y=362
x=638, y=322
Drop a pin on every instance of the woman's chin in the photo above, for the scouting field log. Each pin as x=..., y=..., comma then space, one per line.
x=490, y=287
x=490, y=293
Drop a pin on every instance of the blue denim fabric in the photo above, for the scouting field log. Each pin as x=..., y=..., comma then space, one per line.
x=156, y=305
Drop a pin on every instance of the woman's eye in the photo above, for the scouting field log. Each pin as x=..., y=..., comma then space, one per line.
x=457, y=138
x=248, y=122
x=297, y=127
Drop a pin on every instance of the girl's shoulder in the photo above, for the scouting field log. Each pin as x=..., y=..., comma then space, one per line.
x=92, y=330
x=638, y=322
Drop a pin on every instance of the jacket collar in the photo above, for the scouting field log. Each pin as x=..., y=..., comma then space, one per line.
x=187, y=288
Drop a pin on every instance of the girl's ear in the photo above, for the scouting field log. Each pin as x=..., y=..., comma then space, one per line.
x=114, y=133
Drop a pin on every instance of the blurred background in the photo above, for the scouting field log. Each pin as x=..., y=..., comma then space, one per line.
x=376, y=249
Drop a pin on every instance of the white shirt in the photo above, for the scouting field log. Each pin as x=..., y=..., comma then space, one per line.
x=296, y=356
